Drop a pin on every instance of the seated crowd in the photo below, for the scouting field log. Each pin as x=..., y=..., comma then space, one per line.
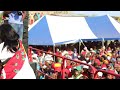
x=104, y=58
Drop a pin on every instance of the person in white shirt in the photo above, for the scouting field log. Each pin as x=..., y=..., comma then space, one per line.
x=48, y=58
x=15, y=19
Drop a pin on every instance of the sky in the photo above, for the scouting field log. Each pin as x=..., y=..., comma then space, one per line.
x=98, y=13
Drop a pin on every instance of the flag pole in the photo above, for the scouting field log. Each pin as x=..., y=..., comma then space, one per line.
x=79, y=47
x=103, y=42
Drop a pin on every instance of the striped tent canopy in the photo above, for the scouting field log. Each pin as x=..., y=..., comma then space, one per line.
x=52, y=30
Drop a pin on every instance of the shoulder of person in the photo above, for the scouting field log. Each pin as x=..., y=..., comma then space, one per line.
x=1, y=46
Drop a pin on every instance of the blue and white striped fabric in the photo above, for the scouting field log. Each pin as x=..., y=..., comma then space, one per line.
x=104, y=27
x=52, y=30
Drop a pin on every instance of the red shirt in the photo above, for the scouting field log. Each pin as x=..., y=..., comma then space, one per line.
x=68, y=73
x=57, y=53
x=84, y=53
x=69, y=68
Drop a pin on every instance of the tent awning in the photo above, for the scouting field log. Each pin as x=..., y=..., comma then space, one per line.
x=51, y=30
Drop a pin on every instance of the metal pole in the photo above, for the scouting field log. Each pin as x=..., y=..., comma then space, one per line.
x=65, y=45
x=82, y=43
x=79, y=47
x=102, y=42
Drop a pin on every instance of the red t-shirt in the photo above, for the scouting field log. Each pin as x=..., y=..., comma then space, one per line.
x=68, y=73
x=68, y=67
x=57, y=53
x=84, y=53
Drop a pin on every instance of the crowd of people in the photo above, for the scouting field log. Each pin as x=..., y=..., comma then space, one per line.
x=34, y=17
x=106, y=58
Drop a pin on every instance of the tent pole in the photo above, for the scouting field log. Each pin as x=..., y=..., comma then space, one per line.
x=103, y=42
x=60, y=47
x=82, y=43
x=79, y=47
x=65, y=45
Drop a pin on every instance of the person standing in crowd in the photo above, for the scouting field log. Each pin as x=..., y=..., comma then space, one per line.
x=35, y=17
x=13, y=58
x=41, y=14
x=31, y=19
x=75, y=54
x=38, y=15
x=15, y=19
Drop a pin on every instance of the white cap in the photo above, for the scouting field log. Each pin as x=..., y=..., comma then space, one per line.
x=100, y=74
x=32, y=52
x=57, y=49
x=84, y=61
x=44, y=66
x=91, y=49
x=104, y=68
x=79, y=56
x=43, y=54
x=90, y=63
x=85, y=66
x=103, y=47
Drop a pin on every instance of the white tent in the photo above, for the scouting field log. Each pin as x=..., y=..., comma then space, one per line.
x=51, y=30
